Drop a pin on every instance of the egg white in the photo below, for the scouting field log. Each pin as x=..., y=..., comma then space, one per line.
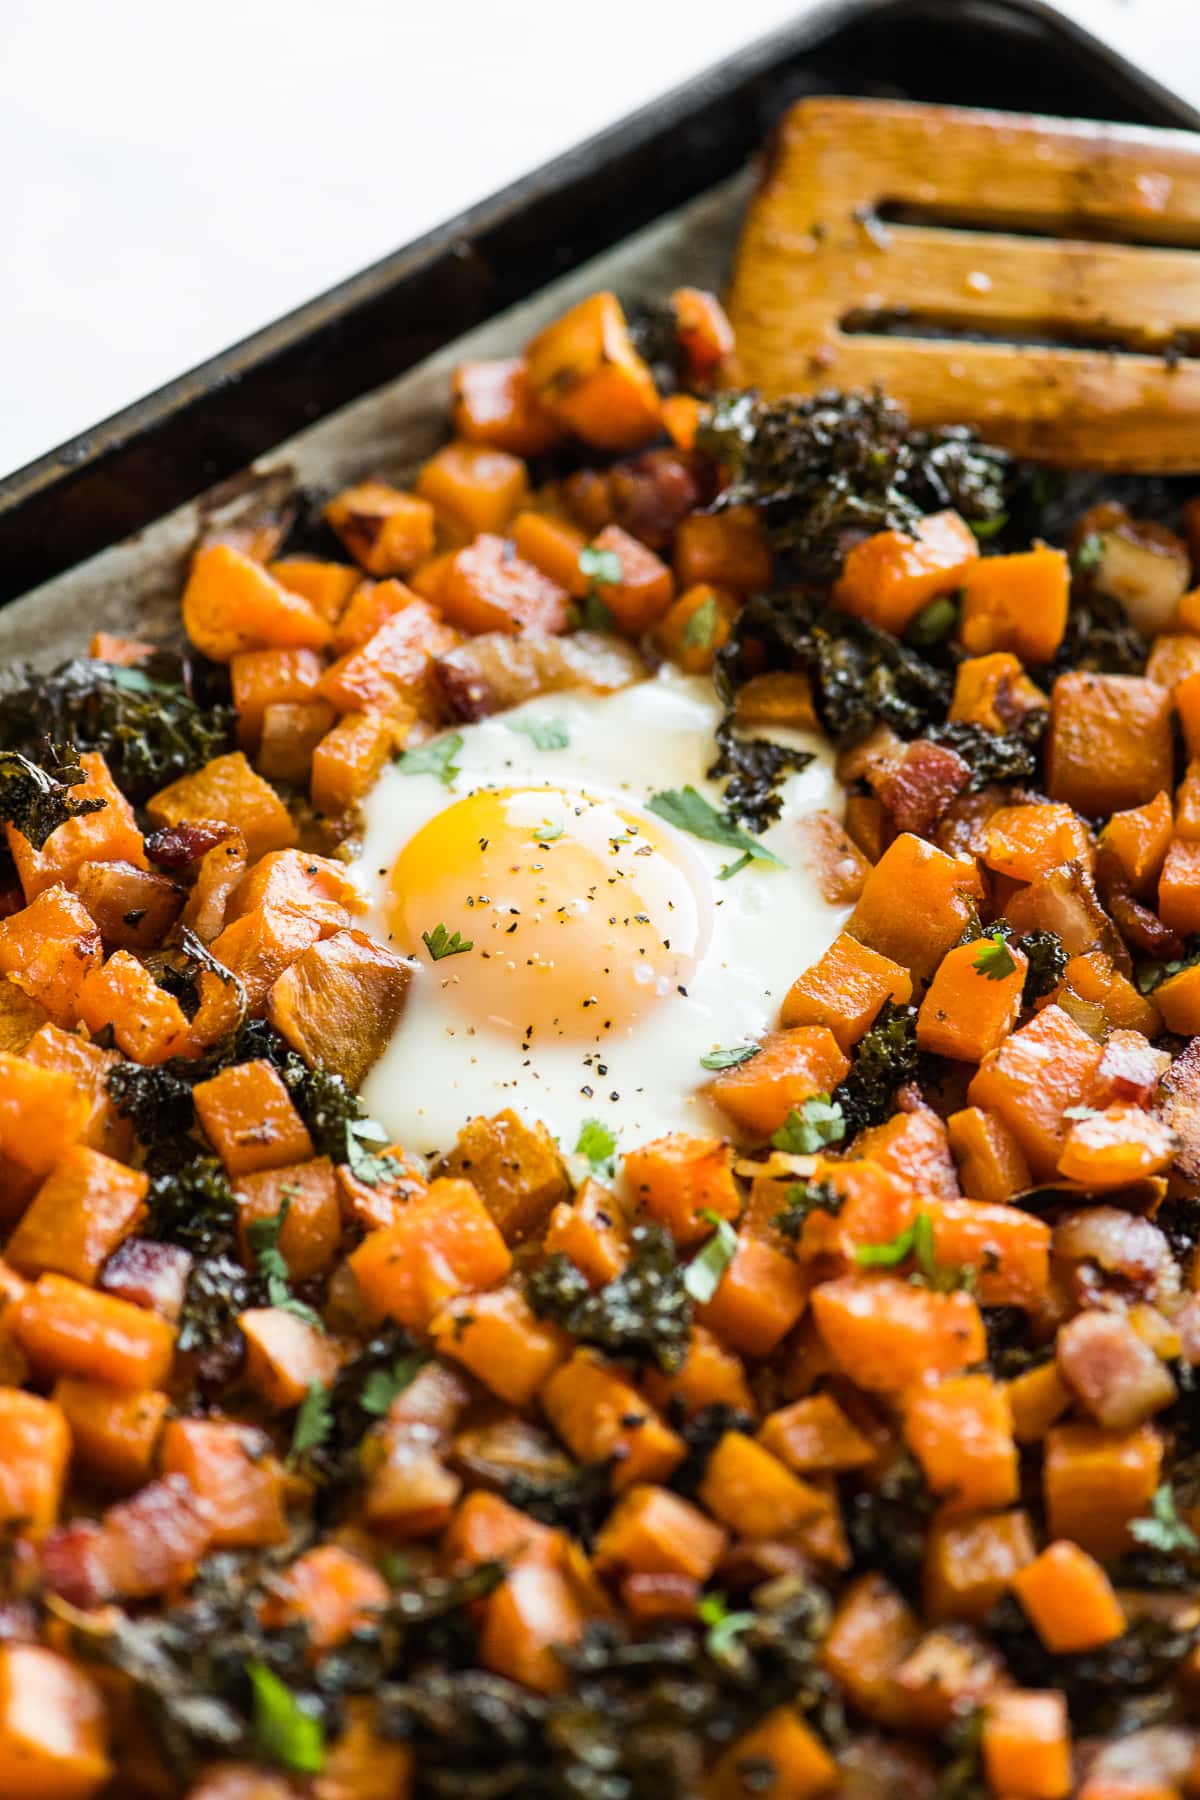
x=645, y=1078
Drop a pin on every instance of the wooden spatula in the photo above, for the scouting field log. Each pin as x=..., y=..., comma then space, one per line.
x=1036, y=277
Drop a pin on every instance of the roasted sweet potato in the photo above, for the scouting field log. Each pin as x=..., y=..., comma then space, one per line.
x=339, y=1003
x=515, y=1168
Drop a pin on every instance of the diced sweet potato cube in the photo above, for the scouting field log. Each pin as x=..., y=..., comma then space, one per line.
x=552, y=545
x=249, y=1119
x=646, y=586
x=599, y=1414
x=221, y=868
x=311, y=1231
x=993, y=691
x=227, y=788
x=759, y=1298
x=257, y=948
x=443, y=1243
x=969, y=1009
x=653, y=1531
x=1110, y=744
x=1069, y=1599
x=677, y=1178
x=1096, y=1482
x=232, y=1471
x=231, y=603
x=488, y=587
x=339, y=1003
x=474, y=486
x=114, y=1433
x=65, y=1328
x=392, y=672
x=1026, y=1744
x=285, y=1356
x=727, y=549
x=53, y=1728
x=262, y=678
x=873, y=1631
x=753, y=1493
x=1139, y=838
x=85, y=1207
x=371, y=605
x=516, y=1169
x=534, y=1613
x=349, y=758
x=711, y=1375
x=1033, y=1079
x=47, y=950
x=501, y=1341
x=1179, y=887
x=313, y=884
x=886, y=1334
x=916, y=903
x=800, y=1766
x=291, y=732
x=109, y=834
x=991, y=1164
x=697, y=625
x=969, y=1563
x=42, y=1113
x=494, y=403
x=1038, y=1397
x=844, y=990
x=961, y=1434
x=587, y=375
x=327, y=586
x=1016, y=603
x=389, y=532
x=814, y=1436
x=33, y=1468
x=890, y=576
x=1116, y=1145
x=328, y=1591
x=791, y=1067
x=592, y=1231
x=148, y=1024
x=133, y=908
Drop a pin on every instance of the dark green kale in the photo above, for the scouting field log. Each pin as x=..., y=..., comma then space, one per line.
x=218, y=1292
x=702, y=1433
x=1007, y=757
x=146, y=720
x=1010, y=1350
x=803, y=1198
x=1047, y=960
x=1106, y=1688
x=644, y=1313
x=754, y=767
x=157, y=1099
x=362, y=1391
x=1179, y=1218
x=579, y=1501
x=827, y=468
x=962, y=1776
x=654, y=332
x=192, y=1206
x=887, y=1523
x=35, y=797
x=883, y=1061
x=1099, y=636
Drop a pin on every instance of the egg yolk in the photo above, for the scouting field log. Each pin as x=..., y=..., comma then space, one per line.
x=581, y=915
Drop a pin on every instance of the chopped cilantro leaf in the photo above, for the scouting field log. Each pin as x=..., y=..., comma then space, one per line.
x=989, y=528
x=689, y=811
x=435, y=758
x=544, y=734
x=314, y=1422
x=286, y=1732
x=1163, y=1529
x=702, y=1277
x=729, y=1059
x=439, y=943
x=382, y=1385
x=995, y=959
x=723, y=1627
x=700, y=628
x=271, y=1266
x=802, y=1199
x=549, y=831
x=1090, y=553
x=371, y=1169
x=735, y=868
x=602, y=568
x=810, y=1127
x=890, y=1254
x=598, y=1144
x=916, y=1241
x=933, y=623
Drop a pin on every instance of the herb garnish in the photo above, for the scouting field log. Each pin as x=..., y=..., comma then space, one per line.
x=729, y=1059
x=602, y=567
x=700, y=628
x=434, y=758
x=382, y=1385
x=439, y=943
x=702, y=1277
x=314, y=1422
x=995, y=959
x=543, y=734
x=598, y=1144
x=689, y=811
x=801, y=1200
x=1163, y=1529
x=724, y=1627
x=364, y=1164
x=916, y=1241
x=285, y=1731
x=271, y=1265
x=810, y=1127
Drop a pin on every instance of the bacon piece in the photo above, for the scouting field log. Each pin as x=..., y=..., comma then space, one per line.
x=151, y=1275
x=920, y=786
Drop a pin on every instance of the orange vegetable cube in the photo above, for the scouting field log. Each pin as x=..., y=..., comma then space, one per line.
x=1024, y=842
x=327, y=586
x=1187, y=813
x=759, y=1298
x=291, y=731
x=599, y=1414
x=106, y=646
x=592, y=1231
x=257, y=948
x=85, y=1207
x=968, y=1011
x=915, y=904
x=1178, y=1001
x=33, y=1468
x=703, y=329
x=148, y=1024
x=1037, y=1398
x=285, y=1356
x=313, y=884
x=109, y=834
x=231, y=1470
x=501, y=1341
x=646, y=586
x=873, y=1631
x=392, y=672
x=249, y=1119
x=791, y=1067
x=65, y=1328
x=1096, y=1481
x=494, y=403
x=1179, y=887
x=1116, y=1146
x=993, y=691
x=725, y=550
x=971, y=1563
x=534, y=1613
x=681, y=417
x=799, y=1765
x=915, y=1146
x=486, y=1528
x=53, y=1727
x=553, y=546
x=1110, y=745
x=586, y=373
x=697, y=625
x=476, y=487
x=262, y=678
x=1033, y=1079
x=488, y=587
x=42, y=1113
x=1069, y=1599
x=991, y=1164
x=1016, y=603
x=114, y=1433
x=387, y=531
x=443, y=1243
x=311, y=1232
x=886, y=1334
x=887, y=578
x=1186, y=698
x=1026, y=1744
x=961, y=1434
x=371, y=605
x=652, y=1531
x=88, y=1065
x=845, y=990
x=231, y=603
x=814, y=1435
x=228, y=789
x=330, y=1592
x=711, y=1375
x=1009, y=1250
x=47, y=950
x=753, y=1493
x=1139, y=838
x=349, y=758
x=677, y=1178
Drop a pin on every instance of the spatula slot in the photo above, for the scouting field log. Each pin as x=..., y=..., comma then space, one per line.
x=1154, y=234
x=916, y=322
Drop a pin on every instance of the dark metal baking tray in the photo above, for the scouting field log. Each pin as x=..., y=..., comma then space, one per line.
x=198, y=431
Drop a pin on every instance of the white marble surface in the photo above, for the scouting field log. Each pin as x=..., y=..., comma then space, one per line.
x=177, y=175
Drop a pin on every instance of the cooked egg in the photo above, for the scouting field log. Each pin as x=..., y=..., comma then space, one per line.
x=590, y=952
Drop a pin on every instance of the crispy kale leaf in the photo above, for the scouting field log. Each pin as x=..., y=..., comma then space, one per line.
x=35, y=797
x=146, y=720
x=644, y=1313
x=755, y=767
x=996, y=756
x=1047, y=960
x=193, y=1206
x=826, y=468
x=884, y=1060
